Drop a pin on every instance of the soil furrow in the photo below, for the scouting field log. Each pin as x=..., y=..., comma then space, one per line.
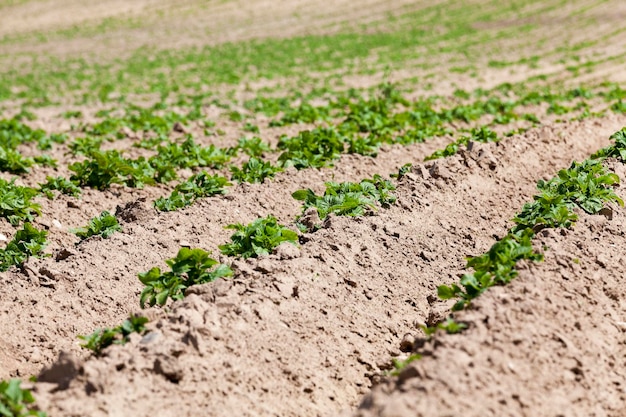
x=550, y=343
x=302, y=331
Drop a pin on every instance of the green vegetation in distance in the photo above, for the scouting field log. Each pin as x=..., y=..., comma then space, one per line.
x=258, y=238
x=315, y=148
x=102, y=338
x=104, y=168
x=189, y=267
x=103, y=225
x=481, y=135
x=253, y=147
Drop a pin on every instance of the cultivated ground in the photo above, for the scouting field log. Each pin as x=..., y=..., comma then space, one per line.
x=440, y=120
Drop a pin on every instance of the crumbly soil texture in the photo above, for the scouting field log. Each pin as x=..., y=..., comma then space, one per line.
x=314, y=328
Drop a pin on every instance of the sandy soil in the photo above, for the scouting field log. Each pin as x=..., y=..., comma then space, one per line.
x=311, y=330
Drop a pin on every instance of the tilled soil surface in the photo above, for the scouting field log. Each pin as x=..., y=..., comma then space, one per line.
x=300, y=332
x=552, y=343
x=311, y=330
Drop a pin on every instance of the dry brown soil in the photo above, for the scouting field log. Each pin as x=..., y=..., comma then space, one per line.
x=311, y=330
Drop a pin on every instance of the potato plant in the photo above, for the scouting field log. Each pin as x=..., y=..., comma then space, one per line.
x=347, y=198
x=16, y=401
x=257, y=238
x=189, y=267
x=103, y=225
x=102, y=338
x=197, y=186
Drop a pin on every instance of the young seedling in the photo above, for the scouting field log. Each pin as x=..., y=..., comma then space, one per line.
x=585, y=185
x=17, y=402
x=15, y=202
x=496, y=267
x=257, y=238
x=119, y=335
x=103, y=225
x=254, y=171
x=104, y=168
x=63, y=185
x=315, y=148
x=253, y=146
x=27, y=242
x=197, y=186
x=189, y=267
x=347, y=198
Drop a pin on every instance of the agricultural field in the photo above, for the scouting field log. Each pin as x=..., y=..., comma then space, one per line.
x=375, y=208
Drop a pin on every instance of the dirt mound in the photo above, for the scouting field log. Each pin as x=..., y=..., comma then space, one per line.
x=303, y=331
x=549, y=344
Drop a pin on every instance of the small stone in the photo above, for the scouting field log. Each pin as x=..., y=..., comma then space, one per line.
x=168, y=367
x=438, y=171
x=63, y=254
x=57, y=224
x=287, y=250
x=180, y=128
x=607, y=212
x=602, y=260
x=310, y=219
x=149, y=338
x=406, y=345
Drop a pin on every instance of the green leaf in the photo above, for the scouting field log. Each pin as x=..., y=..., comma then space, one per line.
x=445, y=293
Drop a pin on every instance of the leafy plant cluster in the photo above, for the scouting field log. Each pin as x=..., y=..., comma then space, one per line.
x=315, y=148
x=257, y=238
x=105, y=168
x=197, y=186
x=496, y=267
x=27, y=242
x=63, y=185
x=13, y=133
x=16, y=203
x=103, y=338
x=585, y=185
x=189, y=267
x=17, y=402
x=153, y=120
x=304, y=113
x=101, y=169
x=480, y=134
x=254, y=171
x=190, y=155
x=254, y=146
x=348, y=198
x=616, y=150
x=103, y=225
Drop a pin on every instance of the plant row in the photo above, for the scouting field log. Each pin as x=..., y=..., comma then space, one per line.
x=587, y=186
